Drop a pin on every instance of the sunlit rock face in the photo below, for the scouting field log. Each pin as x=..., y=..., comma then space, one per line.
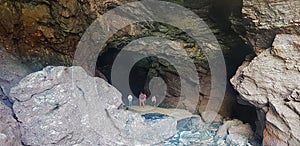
x=262, y=20
x=271, y=82
x=65, y=106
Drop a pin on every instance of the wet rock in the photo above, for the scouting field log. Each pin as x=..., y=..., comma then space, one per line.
x=65, y=106
x=271, y=82
x=194, y=132
x=10, y=134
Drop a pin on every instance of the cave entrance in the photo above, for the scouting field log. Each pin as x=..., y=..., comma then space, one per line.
x=234, y=50
x=141, y=75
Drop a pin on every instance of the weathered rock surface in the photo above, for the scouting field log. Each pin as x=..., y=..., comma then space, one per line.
x=48, y=31
x=11, y=72
x=65, y=106
x=264, y=19
x=271, y=82
x=10, y=134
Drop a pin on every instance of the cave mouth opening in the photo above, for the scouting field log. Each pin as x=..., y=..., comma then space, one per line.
x=141, y=75
x=218, y=19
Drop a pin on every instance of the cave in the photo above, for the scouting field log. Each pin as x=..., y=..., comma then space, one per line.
x=234, y=49
x=140, y=74
x=52, y=41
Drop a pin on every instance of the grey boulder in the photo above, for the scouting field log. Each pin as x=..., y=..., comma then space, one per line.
x=65, y=106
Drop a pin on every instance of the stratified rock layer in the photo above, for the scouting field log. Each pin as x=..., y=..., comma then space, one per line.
x=271, y=82
x=65, y=106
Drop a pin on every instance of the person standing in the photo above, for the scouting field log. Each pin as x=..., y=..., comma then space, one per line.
x=130, y=98
x=153, y=99
x=141, y=98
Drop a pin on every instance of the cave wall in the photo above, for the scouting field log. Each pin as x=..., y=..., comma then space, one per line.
x=44, y=32
x=262, y=20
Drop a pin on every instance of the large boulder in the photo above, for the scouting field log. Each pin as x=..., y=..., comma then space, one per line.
x=65, y=106
x=271, y=82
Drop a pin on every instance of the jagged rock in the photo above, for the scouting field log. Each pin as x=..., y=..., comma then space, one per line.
x=271, y=82
x=264, y=19
x=10, y=134
x=65, y=106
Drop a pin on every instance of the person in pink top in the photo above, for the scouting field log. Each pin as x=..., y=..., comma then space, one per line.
x=142, y=99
